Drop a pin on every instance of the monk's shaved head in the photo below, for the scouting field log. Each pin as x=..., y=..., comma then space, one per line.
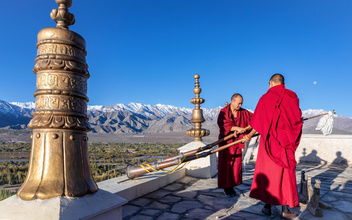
x=277, y=78
x=236, y=102
x=234, y=96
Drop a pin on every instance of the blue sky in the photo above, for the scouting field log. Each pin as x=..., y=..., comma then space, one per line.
x=148, y=51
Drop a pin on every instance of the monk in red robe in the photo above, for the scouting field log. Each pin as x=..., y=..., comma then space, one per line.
x=278, y=119
x=232, y=118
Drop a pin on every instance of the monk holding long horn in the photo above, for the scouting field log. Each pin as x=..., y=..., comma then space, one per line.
x=278, y=119
x=231, y=119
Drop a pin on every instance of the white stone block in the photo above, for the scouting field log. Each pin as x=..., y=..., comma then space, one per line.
x=203, y=167
x=97, y=206
x=140, y=186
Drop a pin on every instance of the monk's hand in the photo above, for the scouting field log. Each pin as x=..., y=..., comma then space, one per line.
x=240, y=130
x=246, y=138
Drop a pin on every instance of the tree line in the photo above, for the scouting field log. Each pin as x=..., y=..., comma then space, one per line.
x=107, y=160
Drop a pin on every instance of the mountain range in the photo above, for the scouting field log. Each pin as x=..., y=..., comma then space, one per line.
x=136, y=118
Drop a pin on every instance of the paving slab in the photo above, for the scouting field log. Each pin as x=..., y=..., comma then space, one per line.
x=328, y=215
x=141, y=201
x=174, y=187
x=158, y=194
x=186, y=193
x=150, y=212
x=328, y=198
x=187, y=180
x=247, y=216
x=213, y=193
x=170, y=199
x=217, y=203
x=183, y=206
x=199, y=213
x=129, y=210
x=158, y=205
x=343, y=206
x=169, y=216
x=141, y=217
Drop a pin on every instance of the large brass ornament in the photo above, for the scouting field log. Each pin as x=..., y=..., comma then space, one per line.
x=59, y=162
x=197, y=117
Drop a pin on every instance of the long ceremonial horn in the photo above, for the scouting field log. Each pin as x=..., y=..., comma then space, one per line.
x=138, y=170
x=200, y=149
x=304, y=119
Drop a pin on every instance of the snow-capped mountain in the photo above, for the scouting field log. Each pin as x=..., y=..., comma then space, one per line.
x=143, y=118
x=158, y=110
x=14, y=116
x=24, y=105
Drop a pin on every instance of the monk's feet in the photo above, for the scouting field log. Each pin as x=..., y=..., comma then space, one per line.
x=266, y=211
x=289, y=215
x=230, y=192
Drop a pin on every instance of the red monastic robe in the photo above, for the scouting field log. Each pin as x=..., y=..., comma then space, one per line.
x=278, y=119
x=230, y=159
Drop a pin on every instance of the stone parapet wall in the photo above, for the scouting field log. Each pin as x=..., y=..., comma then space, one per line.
x=329, y=149
x=317, y=148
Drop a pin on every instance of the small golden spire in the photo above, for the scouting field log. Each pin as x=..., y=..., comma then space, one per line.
x=226, y=103
x=197, y=117
x=61, y=16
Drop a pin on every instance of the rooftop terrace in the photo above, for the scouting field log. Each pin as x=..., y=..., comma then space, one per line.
x=193, y=198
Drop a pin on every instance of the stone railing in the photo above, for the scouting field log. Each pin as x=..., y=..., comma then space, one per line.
x=317, y=148
x=330, y=149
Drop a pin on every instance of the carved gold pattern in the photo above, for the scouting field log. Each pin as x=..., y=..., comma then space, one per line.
x=63, y=81
x=55, y=63
x=197, y=117
x=59, y=162
x=63, y=122
x=198, y=133
x=68, y=103
x=61, y=49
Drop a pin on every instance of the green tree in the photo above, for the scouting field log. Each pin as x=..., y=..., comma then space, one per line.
x=5, y=194
x=9, y=178
x=19, y=176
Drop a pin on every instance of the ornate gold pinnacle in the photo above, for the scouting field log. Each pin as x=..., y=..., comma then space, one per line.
x=197, y=117
x=59, y=163
x=61, y=16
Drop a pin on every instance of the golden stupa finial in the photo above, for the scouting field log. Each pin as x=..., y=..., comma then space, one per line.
x=61, y=16
x=59, y=163
x=197, y=117
x=226, y=103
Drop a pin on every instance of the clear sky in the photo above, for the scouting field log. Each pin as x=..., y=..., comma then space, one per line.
x=148, y=51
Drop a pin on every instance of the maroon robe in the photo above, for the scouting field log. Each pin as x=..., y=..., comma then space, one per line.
x=230, y=159
x=278, y=119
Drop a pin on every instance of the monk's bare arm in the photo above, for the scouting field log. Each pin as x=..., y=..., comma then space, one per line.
x=239, y=130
